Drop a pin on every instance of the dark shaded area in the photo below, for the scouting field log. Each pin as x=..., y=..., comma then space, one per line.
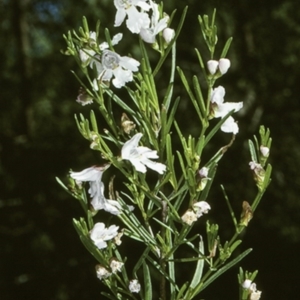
x=41, y=256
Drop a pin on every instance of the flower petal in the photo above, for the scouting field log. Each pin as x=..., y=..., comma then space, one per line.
x=129, y=145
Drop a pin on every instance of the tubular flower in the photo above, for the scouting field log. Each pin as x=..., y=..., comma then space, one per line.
x=136, y=19
x=148, y=34
x=219, y=109
x=111, y=64
x=140, y=156
x=93, y=175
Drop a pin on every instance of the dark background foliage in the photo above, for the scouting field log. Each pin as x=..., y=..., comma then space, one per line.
x=41, y=256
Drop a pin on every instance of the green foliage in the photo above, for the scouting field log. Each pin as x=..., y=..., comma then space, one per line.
x=38, y=140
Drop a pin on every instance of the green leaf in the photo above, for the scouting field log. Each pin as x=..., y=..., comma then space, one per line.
x=141, y=260
x=172, y=115
x=226, y=47
x=181, y=164
x=182, y=290
x=252, y=151
x=199, y=97
x=62, y=185
x=199, y=268
x=147, y=282
x=169, y=92
x=170, y=159
x=190, y=93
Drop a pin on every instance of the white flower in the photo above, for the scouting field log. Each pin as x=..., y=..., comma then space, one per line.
x=201, y=208
x=230, y=126
x=223, y=65
x=90, y=174
x=148, y=34
x=101, y=272
x=221, y=109
x=168, y=34
x=116, y=266
x=134, y=286
x=136, y=19
x=139, y=156
x=94, y=175
x=100, y=202
x=189, y=217
x=99, y=234
x=112, y=64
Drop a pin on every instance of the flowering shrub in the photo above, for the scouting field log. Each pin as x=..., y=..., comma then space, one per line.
x=178, y=181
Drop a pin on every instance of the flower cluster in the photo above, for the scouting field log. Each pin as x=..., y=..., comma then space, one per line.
x=150, y=122
x=139, y=157
x=103, y=273
x=107, y=63
x=192, y=215
x=143, y=18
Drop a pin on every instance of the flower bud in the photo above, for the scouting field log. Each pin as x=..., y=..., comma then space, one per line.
x=212, y=66
x=168, y=35
x=264, y=151
x=246, y=214
x=246, y=284
x=224, y=65
x=127, y=124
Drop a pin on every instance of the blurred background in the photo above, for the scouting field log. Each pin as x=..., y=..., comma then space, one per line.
x=41, y=256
